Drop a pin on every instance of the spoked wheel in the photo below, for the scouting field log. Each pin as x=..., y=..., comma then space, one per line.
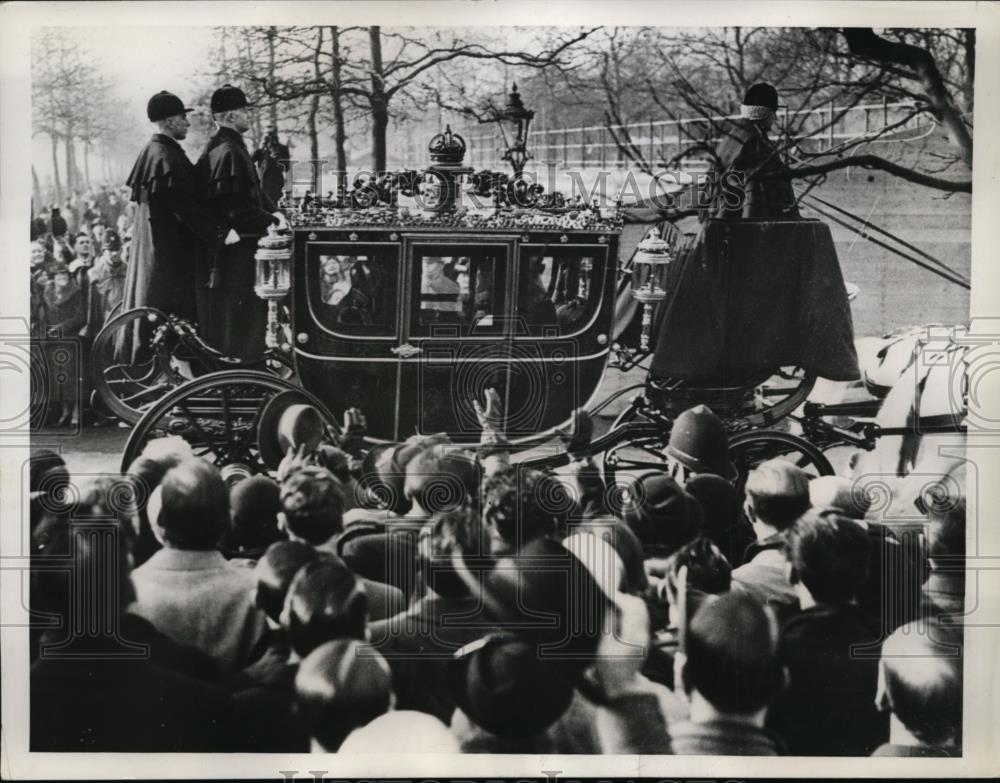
x=749, y=449
x=758, y=402
x=218, y=415
x=778, y=396
x=630, y=457
x=130, y=371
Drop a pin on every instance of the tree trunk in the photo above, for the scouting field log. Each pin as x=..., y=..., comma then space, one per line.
x=969, y=38
x=36, y=192
x=70, y=164
x=271, y=33
x=313, y=111
x=256, y=133
x=863, y=42
x=86, y=164
x=55, y=168
x=339, y=133
x=379, y=102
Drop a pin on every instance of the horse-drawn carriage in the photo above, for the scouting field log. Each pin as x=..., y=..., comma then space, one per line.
x=411, y=311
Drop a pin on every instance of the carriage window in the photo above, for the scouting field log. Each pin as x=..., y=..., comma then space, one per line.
x=558, y=290
x=355, y=292
x=458, y=287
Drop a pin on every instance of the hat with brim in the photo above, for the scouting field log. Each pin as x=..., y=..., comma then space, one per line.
x=661, y=514
x=163, y=105
x=500, y=683
x=288, y=420
x=228, y=98
x=553, y=600
x=698, y=441
x=760, y=102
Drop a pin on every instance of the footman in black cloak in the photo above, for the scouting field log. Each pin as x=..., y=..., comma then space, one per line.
x=760, y=288
x=746, y=180
x=232, y=318
x=171, y=227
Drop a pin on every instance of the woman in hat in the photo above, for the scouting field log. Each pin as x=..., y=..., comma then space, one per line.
x=66, y=313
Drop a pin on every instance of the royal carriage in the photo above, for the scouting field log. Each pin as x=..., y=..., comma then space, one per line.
x=411, y=294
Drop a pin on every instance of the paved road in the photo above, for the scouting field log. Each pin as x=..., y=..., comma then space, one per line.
x=92, y=450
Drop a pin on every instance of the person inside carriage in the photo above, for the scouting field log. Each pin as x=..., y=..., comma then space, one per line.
x=352, y=287
x=440, y=292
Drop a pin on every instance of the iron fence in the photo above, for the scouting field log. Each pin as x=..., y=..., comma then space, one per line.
x=658, y=141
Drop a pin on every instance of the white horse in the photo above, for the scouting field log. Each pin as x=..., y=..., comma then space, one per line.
x=920, y=376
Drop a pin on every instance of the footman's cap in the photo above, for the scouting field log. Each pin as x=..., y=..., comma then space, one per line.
x=164, y=104
x=227, y=98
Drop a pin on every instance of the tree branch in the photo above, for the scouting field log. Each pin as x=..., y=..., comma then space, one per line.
x=873, y=162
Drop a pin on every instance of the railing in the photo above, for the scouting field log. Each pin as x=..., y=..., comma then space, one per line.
x=661, y=140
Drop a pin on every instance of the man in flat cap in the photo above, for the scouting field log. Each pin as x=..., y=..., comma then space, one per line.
x=232, y=318
x=170, y=226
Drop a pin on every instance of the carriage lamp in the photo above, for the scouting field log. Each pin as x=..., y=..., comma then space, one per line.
x=273, y=281
x=515, y=118
x=650, y=267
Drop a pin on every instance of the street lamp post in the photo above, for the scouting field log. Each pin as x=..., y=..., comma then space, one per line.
x=515, y=119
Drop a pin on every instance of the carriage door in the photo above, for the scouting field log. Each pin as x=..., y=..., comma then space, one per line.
x=454, y=344
x=561, y=308
x=346, y=307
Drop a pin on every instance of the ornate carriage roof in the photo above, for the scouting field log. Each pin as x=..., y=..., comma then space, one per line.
x=503, y=219
x=448, y=195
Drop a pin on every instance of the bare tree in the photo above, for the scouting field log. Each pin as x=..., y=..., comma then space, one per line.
x=634, y=75
x=404, y=69
x=72, y=103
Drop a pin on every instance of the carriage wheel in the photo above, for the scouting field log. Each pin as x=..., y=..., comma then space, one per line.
x=778, y=396
x=130, y=373
x=758, y=403
x=217, y=415
x=633, y=456
x=746, y=450
x=750, y=449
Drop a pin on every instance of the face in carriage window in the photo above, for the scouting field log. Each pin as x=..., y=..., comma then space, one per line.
x=353, y=292
x=335, y=277
x=459, y=289
x=558, y=291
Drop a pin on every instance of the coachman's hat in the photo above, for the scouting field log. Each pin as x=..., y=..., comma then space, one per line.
x=164, y=104
x=227, y=98
x=761, y=94
x=760, y=102
x=698, y=441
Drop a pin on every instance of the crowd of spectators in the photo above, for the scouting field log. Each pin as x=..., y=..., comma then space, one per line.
x=79, y=254
x=426, y=598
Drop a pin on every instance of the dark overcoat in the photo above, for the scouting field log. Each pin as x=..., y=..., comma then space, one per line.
x=170, y=228
x=232, y=317
x=746, y=179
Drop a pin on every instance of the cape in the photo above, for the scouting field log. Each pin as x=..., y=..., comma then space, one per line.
x=227, y=167
x=162, y=166
x=746, y=152
x=752, y=296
